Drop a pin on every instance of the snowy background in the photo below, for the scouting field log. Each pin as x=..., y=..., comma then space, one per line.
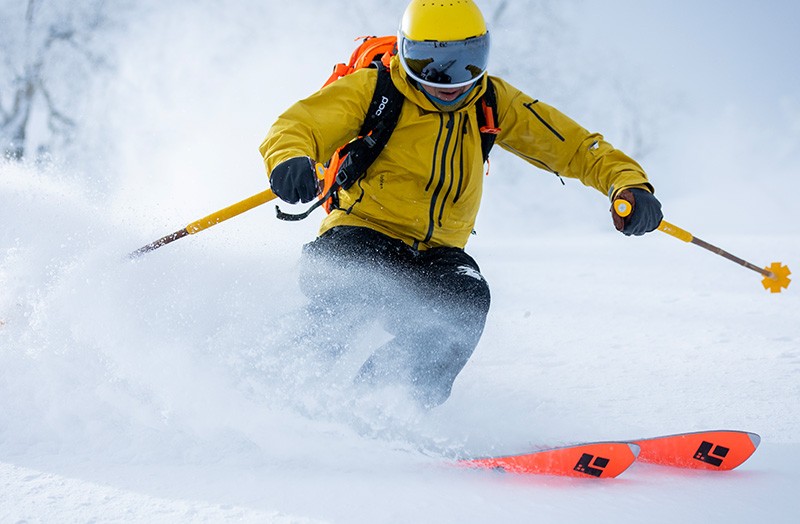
x=159, y=390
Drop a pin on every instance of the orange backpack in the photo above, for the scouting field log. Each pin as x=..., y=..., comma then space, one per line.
x=372, y=49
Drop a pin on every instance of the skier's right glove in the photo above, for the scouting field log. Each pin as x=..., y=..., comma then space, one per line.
x=295, y=180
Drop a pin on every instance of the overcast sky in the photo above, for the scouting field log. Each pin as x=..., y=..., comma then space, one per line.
x=719, y=51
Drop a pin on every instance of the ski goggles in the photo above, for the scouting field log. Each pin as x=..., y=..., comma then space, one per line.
x=445, y=64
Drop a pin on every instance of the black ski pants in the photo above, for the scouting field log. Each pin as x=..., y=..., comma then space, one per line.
x=434, y=302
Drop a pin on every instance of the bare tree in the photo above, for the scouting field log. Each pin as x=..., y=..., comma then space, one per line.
x=49, y=51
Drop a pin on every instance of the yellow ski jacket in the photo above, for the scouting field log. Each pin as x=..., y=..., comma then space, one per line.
x=425, y=186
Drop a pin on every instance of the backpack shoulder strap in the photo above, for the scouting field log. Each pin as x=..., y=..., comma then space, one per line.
x=487, y=119
x=381, y=119
x=384, y=109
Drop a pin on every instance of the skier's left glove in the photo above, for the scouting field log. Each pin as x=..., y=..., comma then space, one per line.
x=646, y=214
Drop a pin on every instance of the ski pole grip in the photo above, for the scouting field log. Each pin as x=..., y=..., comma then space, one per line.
x=622, y=207
x=320, y=169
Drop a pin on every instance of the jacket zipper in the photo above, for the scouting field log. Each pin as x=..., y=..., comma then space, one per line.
x=442, y=172
x=543, y=121
x=435, y=152
x=461, y=159
x=456, y=145
x=530, y=158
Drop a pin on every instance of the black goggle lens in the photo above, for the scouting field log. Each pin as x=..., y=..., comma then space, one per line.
x=446, y=63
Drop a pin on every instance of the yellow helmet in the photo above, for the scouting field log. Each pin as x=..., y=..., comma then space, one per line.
x=443, y=43
x=443, y=20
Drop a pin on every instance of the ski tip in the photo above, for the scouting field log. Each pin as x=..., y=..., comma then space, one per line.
x=719, y=450
x=755, y=439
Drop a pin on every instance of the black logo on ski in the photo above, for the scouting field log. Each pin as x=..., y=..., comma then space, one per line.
x=711, y=454
x=591, y=465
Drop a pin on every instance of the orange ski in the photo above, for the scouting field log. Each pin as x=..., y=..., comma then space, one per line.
x=711, y=450
x=595, y=460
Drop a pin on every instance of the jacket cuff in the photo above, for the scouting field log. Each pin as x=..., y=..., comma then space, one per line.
x=614, y=191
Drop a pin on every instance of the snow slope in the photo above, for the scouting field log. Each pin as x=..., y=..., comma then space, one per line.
x=161, y=390
x=150, y=390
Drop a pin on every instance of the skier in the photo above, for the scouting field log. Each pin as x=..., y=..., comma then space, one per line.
x=392, y=247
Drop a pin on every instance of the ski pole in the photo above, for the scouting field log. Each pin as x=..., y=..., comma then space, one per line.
x=776, y=276
x=208, y=221
x=214, y=218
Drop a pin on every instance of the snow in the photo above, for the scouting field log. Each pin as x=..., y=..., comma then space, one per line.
x=158, y=390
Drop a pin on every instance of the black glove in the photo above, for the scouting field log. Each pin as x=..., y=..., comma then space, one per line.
x=295, y=180
x=646, y=214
